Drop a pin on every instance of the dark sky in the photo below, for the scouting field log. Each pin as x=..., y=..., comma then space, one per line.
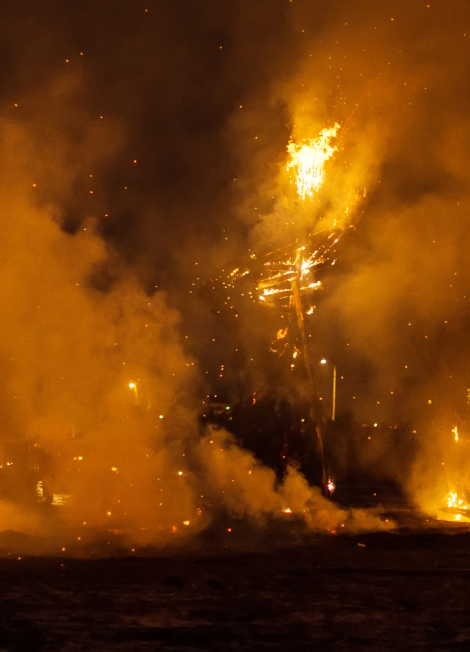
x=167, y=79
x=167, y=122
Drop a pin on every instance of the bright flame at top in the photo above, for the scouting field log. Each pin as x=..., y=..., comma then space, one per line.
x=454, y=430
x=309, y=158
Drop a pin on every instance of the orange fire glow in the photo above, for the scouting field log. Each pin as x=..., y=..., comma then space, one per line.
x=453, y=500
x=281, y=333
x=308, y=160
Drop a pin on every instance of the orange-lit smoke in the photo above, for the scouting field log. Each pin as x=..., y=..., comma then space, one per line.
x=99, y=383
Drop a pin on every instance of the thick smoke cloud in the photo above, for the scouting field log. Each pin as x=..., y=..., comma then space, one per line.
x=394, y=316
x=98, y=381
x=97, y=385
x=156, y=137
x=397, y=303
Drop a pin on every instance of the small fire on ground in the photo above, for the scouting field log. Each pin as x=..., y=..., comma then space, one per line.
x=458, y=506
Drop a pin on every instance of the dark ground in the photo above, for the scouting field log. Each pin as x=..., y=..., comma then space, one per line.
x=400, y=590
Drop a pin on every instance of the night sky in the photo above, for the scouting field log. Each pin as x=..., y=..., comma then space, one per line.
x=165, y=124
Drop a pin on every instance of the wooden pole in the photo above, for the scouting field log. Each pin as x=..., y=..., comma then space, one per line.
x=316, y=412
x=333, y=411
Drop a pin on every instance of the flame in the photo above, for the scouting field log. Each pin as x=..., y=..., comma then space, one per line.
x=453, y=500
x=456, y=500
x=281, y=333
x=308, y=160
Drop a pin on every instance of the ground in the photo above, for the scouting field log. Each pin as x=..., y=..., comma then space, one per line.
x=399, y=590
